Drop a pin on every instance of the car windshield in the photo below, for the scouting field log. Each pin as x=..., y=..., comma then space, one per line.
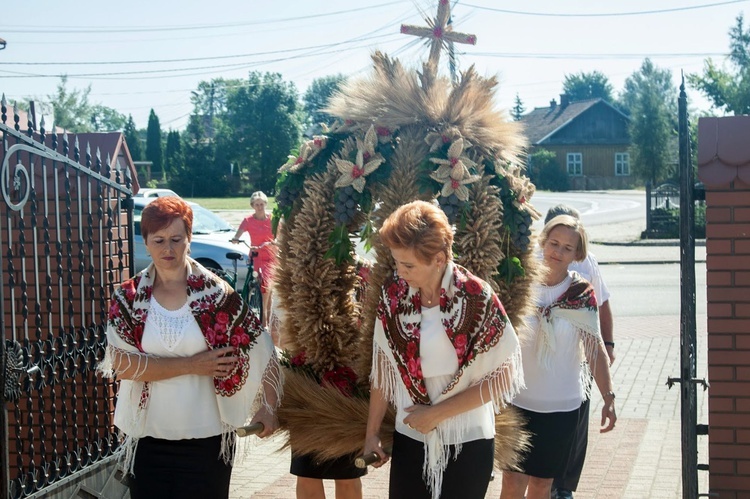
x=204, y=221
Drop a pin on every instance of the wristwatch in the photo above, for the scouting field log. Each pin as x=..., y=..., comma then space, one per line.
x=609, y=394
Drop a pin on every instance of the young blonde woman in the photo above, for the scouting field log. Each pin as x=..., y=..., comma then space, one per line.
x=561, y=345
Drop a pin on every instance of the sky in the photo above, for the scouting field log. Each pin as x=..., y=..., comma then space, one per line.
x=139, y=55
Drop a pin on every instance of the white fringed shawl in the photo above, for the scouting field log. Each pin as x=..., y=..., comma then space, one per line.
x=224, y=320
x=486, y=344
x=577, y=305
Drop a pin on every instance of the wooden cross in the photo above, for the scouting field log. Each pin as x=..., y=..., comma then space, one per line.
x=439, y=33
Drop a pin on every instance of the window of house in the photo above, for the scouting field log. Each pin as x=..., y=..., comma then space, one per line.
x=622, y=164
x=575, y=163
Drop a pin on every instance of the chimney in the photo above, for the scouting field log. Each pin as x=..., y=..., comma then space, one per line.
x=552, y=103
x=564, y=100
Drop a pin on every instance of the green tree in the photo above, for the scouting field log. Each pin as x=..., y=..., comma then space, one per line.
x=546, y=173
x=261, y=127
x=657, y=80
x=651, y=97
x=583, y=86
x=106, y=119
x=154, y=151
x=198, y=175
x=132, y=138
x=518, y=109
x=173, y=158
x=317, y=96
x=73, y=111
x=729, y=90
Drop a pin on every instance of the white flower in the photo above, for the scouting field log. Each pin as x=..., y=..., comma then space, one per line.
x=354, y=173
x=456, y=166
x=307, y=152
x=457, y=187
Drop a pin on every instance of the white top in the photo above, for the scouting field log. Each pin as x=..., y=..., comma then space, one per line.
x=558, y=388
x=184, y=406
x=589, y=270
x=439, y=363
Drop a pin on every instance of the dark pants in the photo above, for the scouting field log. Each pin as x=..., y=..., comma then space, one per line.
x=572, y=475
x=466, y=477
x=180, y=469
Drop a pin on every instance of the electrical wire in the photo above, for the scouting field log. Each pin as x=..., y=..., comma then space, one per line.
x=604, y=14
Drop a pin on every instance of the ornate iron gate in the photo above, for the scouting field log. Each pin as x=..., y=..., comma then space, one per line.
x=688, y=341
x=66, y=241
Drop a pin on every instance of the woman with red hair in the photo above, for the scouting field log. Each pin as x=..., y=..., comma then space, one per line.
x=193, y=363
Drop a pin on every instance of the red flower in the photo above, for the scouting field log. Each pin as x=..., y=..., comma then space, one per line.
x=443, y=299
x=382, y=131
x=342, y=378
x=299, y=359
x=412, y=349
x=129, y=288
x=460, y=342
x=473, y=286
x=206, y=320
x=407, y=380
x=222, y=317
x=244, y=339
x=414, y=366
x=234, y=340
x=221, y=339
x=211, y=337
x=114, y=309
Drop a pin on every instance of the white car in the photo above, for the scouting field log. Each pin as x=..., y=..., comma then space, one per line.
x=209, y=245
x=154, y=193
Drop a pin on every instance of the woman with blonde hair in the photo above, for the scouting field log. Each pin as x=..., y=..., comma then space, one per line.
x=262, y=248
x=561, y=345
x=446, y=355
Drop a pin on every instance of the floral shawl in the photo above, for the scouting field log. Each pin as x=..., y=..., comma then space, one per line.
x=224, y=320
x=576, y=305
x=486, y=345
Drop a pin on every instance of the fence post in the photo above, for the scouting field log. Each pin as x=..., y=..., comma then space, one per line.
x=648, y=207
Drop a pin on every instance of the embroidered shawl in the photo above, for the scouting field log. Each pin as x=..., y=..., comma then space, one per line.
x=224, y=319
x=576, y=305
x=486, y=345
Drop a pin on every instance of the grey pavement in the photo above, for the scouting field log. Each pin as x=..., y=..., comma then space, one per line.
x=641, y=458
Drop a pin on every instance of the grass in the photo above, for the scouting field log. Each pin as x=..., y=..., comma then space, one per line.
x=240, y=203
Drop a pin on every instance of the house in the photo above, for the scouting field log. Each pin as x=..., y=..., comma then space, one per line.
x=590, y=139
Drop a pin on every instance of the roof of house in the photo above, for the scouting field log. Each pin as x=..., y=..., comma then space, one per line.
x=723, y=149
x=543, y=122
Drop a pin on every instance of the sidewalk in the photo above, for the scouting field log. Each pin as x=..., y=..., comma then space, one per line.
x=639, y=459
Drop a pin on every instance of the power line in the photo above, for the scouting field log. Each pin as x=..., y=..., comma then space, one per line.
x=189, y=59
x=527, y=55
x=143, y=29
x=604, y=14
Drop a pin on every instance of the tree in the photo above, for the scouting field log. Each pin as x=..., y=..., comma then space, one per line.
x=583, y=86
x=317, y=96
x=656, y=79
x=133, y=139
x=153, y=145
x=72, y=110
x=518, y=109
x=173, y=158
x=198, y=175
x=729, y=90
x=546, y=173
x=651, y=98
x=261, y=127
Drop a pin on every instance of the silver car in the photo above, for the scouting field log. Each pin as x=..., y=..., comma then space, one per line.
x=209, y=245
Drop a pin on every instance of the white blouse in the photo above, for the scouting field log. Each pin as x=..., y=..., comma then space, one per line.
x=557, y=388
x=439, y=363
x=185, y=406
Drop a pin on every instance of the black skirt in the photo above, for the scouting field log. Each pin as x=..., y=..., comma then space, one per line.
x=467, y=475
x=342, y=468
x=180, y=469
x=552, y=438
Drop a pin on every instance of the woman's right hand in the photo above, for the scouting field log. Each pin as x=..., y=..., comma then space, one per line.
x=372, y=444
x=217, y=363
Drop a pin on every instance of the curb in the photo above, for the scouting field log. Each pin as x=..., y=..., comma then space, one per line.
x=646, y=262
x=648, y=242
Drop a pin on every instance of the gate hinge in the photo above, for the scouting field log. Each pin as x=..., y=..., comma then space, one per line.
x=701, y=429
x=697, y=381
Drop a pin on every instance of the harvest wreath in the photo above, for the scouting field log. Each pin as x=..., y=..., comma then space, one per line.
x=400, y=135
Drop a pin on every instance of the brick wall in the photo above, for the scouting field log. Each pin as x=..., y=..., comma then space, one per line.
x=728, y=281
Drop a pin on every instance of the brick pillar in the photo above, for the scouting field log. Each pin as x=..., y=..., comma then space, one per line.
x=724, y=166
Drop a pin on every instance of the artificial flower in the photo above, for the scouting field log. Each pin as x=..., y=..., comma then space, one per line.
x=307, y=152
x=456, y=166
x=457, y=187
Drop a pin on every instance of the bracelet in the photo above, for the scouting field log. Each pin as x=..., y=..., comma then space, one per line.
x=609, y=344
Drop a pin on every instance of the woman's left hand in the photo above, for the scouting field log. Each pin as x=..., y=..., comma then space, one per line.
x=422, y=418
x=269, y=420
x=608, y=413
